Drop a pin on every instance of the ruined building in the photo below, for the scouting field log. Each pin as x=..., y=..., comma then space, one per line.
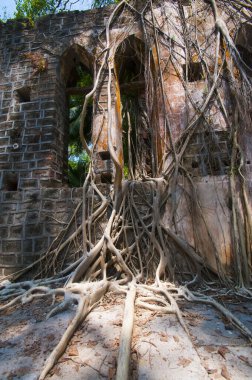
x=152, y=99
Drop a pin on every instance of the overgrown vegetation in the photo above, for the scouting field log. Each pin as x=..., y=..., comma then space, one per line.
x=121, y=242
x=78, y=159
x=33, y=9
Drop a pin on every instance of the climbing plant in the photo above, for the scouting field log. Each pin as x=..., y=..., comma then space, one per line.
x=122, y=242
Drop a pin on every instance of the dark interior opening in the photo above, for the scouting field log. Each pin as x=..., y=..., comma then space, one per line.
x=24, y=94
x=244, y=46
x=194, y=72
x=106, y=178
x=10, y=181
x=185, y=2
x=195, y=164
x=105, y=155
x=246, y=56
x=136, y=138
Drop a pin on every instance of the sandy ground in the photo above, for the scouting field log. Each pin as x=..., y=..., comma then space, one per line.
x=160, y=347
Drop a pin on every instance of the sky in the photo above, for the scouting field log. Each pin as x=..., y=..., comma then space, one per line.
x=8, y=7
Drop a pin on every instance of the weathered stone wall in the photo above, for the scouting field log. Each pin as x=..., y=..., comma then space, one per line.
x=33, y=131
x=35, y=65
x=33, y=118
x=29, y=221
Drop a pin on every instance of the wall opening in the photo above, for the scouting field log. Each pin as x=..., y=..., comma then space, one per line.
x=79, y=81
x=208, y=154
x=136, y=136
x=104, y=155
x=244, y=46
x=23, y=94
x=193, y=72
x=10, y=181
x=186, y=3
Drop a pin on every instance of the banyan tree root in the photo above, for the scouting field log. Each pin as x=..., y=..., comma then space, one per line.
x=162, y=298
x=124, y=262
x=86, y=296
x=123, y=360
x=121, y=241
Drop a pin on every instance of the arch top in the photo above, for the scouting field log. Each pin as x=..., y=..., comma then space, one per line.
x=73, y=56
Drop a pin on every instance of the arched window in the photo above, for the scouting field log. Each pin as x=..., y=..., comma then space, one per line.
x=130, y=63
x=76, y=72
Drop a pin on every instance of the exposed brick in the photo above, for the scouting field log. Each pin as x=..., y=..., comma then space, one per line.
x=32, y=217
x=3, y=232
x=11, y=269
x=27, y=246
x=4, y=141
x=19, y=217
x=33, y=230
x=49, y=205
x=9, y=246
x=52, y=229
x=15, y=232
x=41, y=244
x=11, y=196
x=7, y=207
x=28, y=183
x=51, y=193
x=33, y=131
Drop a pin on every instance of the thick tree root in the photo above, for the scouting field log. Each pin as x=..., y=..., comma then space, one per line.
x=123, y=360
x=224, y=311
x=85, y=304
x=123, y=241
x=162, y=299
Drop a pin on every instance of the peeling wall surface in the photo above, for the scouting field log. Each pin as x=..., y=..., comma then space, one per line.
x=35, y=66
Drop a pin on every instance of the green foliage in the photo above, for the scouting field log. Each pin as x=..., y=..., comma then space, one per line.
x=77, y=169
x=126, y=171
x=103, y=3
x=33, y=9
x=78, y=160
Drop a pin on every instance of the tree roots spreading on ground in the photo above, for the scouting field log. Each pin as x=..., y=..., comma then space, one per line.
x=119, y=241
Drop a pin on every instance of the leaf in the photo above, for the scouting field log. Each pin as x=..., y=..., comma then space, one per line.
x=210, y=349
x=244, y=359
x=63, y=359
x=164, y=339
x=223, y=351
x=91, y=343
x=224, y=373
x=73, y=351
x=211, y=371
x=117, y=323
x=184, y=362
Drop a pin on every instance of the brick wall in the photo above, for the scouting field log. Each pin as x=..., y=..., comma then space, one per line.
x=33, y=102
x=29, y=221
x=34, y=118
